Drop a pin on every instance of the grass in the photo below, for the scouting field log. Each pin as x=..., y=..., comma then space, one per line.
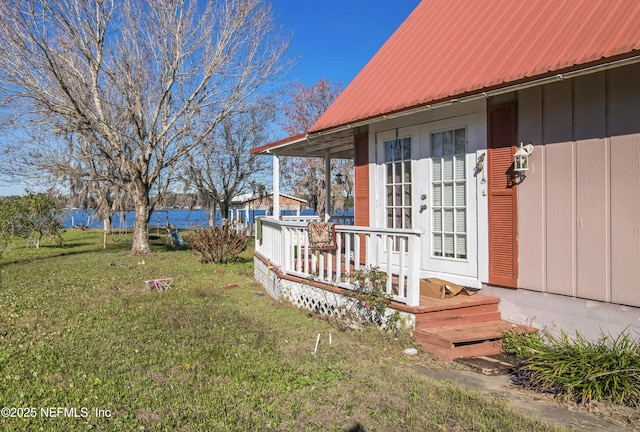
x=79, y=330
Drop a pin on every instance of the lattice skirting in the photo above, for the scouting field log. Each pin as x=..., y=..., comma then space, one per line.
x=318, y=300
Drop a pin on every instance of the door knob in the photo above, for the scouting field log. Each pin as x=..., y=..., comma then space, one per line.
x=423, y=207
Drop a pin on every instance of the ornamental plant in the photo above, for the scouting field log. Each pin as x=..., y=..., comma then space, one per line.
x=605, y=370
x=371, y=299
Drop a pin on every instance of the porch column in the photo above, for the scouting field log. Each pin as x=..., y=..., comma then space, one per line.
x=327, y=186
x=276, y=187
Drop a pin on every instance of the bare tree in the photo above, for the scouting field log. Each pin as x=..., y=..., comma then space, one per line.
x=145, y=82
x=223, y=168
x=306, y=175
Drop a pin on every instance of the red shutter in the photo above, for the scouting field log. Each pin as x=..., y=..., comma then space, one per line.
x=361, y=185
x=503, y=196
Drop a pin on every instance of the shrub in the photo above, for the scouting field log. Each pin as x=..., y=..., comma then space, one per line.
x=370, y=300
x=218, y=244
x=605, y=370
x=31, y=217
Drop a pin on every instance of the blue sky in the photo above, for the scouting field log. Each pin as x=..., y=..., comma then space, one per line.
x=334, y=39
x=331, y=39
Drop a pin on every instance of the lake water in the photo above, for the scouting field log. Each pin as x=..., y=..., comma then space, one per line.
x=180, y=218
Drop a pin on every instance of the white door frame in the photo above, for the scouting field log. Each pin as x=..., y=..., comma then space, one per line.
x=462, y=271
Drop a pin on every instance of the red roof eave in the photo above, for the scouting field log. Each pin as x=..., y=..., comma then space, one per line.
x=320, y=127
x=280, y=143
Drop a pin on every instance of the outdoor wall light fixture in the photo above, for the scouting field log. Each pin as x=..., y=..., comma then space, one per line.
x=521, y=158
x=339, y=178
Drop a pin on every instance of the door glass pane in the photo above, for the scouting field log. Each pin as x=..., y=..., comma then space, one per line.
x=448, y=246
x=459, y=167
x=436, y=145
x=398, y=197
x=448, y=194
x=397, y=151
x=437, y=220
x=437, y=169
x=447, y=172
x=460, y=194
x=388, y=151
x=447, y=139
x=461, y=220
x=407, y=195
x=406, y=148
x=437, y=194
x=389, y=168
x=460, y=138
x=389, y=195
x=437, y=244
x=407, y=172
x=448, y=220
x=461, y=246
x=398, y=172
x=448, y=188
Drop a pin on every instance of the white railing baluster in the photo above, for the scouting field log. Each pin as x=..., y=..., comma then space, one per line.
x=285, y=244
x=401, y=268
x=338, y=269
x=305, y=257
x=347, y=254
x=356, y=252
x=288, y=248
x=413, y=279
x=329, y=268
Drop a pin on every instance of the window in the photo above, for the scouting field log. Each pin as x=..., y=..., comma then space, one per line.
x=398, y=182
x=448, y=187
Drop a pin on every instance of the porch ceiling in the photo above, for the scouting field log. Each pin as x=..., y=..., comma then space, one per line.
x=339, y=145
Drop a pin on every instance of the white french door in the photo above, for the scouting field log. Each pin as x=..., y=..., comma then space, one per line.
x=426, y=182
x=446, y=205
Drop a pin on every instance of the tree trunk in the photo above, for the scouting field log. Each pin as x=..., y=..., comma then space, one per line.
x=210, y=218
x=140, y=245
x=107, y=225
x=106, y=230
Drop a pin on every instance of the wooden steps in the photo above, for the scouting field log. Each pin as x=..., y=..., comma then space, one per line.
x=463, y=326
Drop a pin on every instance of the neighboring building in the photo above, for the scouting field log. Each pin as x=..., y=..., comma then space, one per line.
x=434, y=120
x=244, y=206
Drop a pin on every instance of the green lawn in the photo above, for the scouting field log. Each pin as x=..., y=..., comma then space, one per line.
x=78, y=330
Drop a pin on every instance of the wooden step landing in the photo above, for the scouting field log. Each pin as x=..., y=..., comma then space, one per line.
x=470, y=339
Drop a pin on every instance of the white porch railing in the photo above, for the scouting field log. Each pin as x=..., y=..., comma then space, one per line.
x=397, y=252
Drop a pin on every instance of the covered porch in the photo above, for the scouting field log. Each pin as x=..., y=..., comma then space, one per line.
x=288, y=265
x=285, y=244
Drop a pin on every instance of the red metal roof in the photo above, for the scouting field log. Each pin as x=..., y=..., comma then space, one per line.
x=450, y=48
x=279, y=143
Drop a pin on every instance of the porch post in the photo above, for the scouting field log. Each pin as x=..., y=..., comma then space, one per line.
x=276, y=187
x=327, y=186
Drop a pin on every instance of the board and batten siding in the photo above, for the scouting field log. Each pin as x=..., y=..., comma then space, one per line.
x=579, y=205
